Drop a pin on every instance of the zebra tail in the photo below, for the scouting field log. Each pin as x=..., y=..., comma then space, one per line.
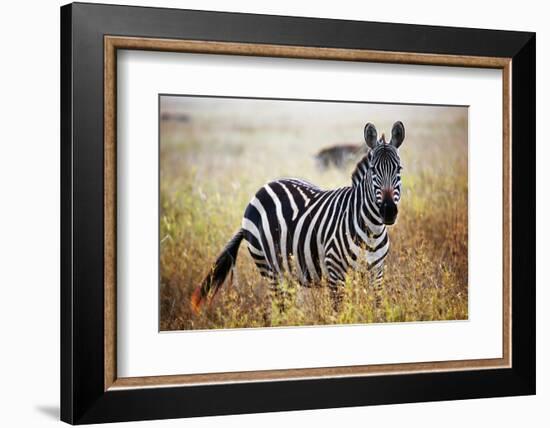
x=218, y=273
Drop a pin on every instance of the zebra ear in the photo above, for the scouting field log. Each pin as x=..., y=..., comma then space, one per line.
x=397, y=134
x=371, y=136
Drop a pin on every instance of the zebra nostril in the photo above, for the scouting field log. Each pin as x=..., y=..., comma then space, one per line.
x=388, y=210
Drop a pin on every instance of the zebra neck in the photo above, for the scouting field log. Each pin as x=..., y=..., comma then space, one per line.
x=371, y=212
x=364, y=223
x=370, y=208
x=362, y=182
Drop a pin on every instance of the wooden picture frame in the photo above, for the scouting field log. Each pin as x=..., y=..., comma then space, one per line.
x=91, y=391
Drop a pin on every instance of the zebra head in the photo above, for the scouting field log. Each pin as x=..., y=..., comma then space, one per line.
x=384, y=170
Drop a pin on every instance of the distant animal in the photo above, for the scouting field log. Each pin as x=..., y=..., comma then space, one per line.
x=338, y=155
x=293, y=226
x=174, y=116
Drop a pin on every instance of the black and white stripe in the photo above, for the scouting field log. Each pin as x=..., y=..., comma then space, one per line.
x=292, y=226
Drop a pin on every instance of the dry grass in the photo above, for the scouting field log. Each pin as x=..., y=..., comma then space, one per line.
x=212, y=165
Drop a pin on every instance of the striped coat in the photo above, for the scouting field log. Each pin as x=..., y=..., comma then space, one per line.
x=292, y=226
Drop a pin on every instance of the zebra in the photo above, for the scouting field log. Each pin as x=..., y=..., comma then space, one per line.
x=293, y=226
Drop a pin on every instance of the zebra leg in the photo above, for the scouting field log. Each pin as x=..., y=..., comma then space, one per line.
x=337, y=295
x=270, y=276
x=275, y=290
x=278, y=294
x=336, y=287
x=377, y=280
x=336, y=278
x=266, y=271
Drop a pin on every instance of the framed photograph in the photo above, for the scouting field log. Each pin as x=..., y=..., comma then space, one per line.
x=265, y=213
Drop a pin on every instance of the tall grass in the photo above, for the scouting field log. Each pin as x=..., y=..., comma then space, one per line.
x=213, y=165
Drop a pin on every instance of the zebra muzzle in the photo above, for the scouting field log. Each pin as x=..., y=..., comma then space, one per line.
x=388, y=211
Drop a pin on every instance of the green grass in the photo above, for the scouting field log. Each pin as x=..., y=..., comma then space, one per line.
x=212, y=166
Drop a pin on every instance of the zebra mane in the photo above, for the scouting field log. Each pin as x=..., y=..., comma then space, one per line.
x=360, y=171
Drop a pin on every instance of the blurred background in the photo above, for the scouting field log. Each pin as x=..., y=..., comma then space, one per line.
x=215, y=153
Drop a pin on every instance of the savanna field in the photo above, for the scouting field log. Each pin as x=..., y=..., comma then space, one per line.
x=215, y=154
